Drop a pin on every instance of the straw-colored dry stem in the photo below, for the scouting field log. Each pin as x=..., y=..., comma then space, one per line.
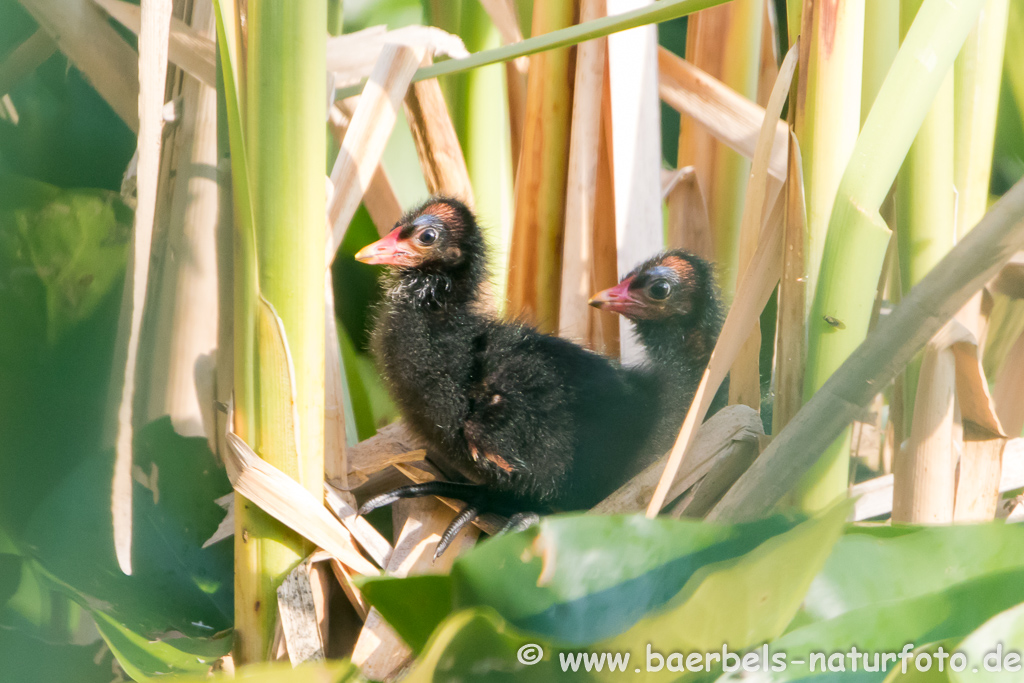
x=725, y=42
x=536, y=250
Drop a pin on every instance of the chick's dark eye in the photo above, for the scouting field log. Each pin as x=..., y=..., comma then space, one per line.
x=659, y=290
x=427, y=236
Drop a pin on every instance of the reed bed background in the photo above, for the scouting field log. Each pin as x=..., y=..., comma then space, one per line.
x=189, y=411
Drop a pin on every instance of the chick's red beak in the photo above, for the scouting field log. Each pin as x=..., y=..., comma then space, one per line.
x=387, y=251
x=617, y=299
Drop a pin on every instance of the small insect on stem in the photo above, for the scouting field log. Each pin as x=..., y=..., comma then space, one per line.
x=835, y=322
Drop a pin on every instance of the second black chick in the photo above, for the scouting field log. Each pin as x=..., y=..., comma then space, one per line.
x=676, y=309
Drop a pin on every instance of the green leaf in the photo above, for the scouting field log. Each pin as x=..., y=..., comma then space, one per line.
x=1004, y=631
x=739, y=603
x=432, y=595
x=478, y=645
x=872, y=566
x=10, y=576
x=27, y=659
x=888, y=626
x=581, y=578
x=73, y=242
x=603, y=574
x=143, y=658
x=324, y=672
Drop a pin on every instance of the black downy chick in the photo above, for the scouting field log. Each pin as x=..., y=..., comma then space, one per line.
x=528, y=419
x=676, y=309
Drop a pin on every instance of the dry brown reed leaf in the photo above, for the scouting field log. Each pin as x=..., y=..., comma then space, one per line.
x=189, y=50
x=769, y=53
x=873, y=498
x=371, y=125
x=352, y=56
x=723, y=473
x=1007, y=394
x=575, y=317
x=344, y=575
x=688, y=224
x=392, y=444
x=100, y=53
x=296, y=610
x=184, y=337
x=24, y=59
x=437, y=143
x=534, y=279
x=724, y=435
x=755, y=288
x=156, y=16
x=791, y=335
x=379, y=651
x=335, y=440
x=287, y=501
x=724, y=113
x=761, y=192
x=342, y=504
x=929, y=486
x=380, y=199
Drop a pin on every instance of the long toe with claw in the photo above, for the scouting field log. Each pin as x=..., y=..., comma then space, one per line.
x=519, y=522
x=463, y=519
x=446, y=489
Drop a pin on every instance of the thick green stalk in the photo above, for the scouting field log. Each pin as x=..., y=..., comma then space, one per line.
x=857, y=236
x=924, y=201
x=286, y=155
x=827, y=111
x=977, y=76
x=881, y=41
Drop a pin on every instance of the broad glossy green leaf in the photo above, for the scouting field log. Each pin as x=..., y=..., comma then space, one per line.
x=947, y=614
x=478, y=645
x=430, y=593
x=27, y=659
x=575, y=578
x=143, y=658
x=581, y=578
x=324, y=672
x=991, y=649
x=739, y=603
x=871, y=566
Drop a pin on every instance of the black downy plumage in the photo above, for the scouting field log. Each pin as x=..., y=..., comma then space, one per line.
x=676, y=309
x=532, y=422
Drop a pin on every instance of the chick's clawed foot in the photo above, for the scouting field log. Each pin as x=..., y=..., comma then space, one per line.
x=477, y=502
